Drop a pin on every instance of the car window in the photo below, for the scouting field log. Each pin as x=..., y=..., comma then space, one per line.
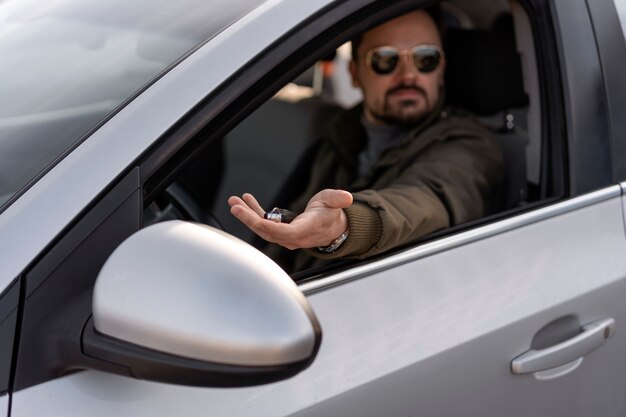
x=67, y=66
x=266, y=154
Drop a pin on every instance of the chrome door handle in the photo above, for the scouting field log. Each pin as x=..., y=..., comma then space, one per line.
x=592, y=336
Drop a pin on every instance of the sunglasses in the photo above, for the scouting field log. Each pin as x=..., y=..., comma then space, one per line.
x=384, y=60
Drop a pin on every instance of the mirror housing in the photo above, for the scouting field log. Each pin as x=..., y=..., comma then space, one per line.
x=188, y=304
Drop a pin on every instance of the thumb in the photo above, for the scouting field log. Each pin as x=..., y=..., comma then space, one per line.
x=333, y=198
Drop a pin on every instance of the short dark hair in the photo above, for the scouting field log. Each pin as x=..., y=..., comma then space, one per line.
x=434, y=12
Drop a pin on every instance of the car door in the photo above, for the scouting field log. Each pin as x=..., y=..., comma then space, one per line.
x=433, y=329
x=404, y=335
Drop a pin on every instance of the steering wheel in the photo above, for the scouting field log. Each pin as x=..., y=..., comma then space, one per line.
x=177, y=203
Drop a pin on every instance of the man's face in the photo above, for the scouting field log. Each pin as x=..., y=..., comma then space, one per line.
x=405, y=96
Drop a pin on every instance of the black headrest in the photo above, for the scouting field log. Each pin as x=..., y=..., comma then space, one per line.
x=483, y=71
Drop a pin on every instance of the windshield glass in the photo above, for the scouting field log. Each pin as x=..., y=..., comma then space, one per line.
x=67, y=64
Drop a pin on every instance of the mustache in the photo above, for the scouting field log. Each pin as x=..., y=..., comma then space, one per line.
x=406, y=87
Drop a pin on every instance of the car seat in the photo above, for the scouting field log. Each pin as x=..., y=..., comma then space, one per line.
x=484, y=76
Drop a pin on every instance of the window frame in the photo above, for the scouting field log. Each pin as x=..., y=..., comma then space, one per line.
x=610, y=31
x=309, y=42
x=584, y=105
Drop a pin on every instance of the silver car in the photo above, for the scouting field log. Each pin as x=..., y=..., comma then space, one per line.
x=127, y=289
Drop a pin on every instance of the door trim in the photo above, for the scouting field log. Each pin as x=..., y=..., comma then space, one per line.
x=464, y=238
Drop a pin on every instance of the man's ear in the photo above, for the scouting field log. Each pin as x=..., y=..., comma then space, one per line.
x=356, y=82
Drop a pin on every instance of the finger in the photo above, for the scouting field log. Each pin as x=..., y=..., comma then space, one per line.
x=265, y=229
x=253, y=204
x=234, y=200
x=246, y=215
x=334, y=198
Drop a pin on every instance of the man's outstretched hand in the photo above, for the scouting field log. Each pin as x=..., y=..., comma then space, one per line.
x=322, y=221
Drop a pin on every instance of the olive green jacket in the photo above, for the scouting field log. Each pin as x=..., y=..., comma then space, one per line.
x=447, y=171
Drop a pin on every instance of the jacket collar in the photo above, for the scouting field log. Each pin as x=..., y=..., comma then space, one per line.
x=346, y=134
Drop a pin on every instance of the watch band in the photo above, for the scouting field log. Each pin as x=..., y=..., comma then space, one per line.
x=335, y=244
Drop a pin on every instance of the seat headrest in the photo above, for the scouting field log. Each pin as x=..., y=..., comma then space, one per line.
x=483, y=71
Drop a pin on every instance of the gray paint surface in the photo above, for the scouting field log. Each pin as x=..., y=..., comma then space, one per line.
x=4, y=405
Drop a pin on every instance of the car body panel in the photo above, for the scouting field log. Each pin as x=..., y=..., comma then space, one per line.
x=41, y=215
x=403, y=340
x=4, y=405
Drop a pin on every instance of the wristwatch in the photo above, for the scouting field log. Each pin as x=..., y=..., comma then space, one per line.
x=334, y=245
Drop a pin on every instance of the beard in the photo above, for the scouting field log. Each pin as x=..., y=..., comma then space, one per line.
x=403, y=112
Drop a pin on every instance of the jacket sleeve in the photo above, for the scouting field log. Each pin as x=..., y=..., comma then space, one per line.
x=453, y=180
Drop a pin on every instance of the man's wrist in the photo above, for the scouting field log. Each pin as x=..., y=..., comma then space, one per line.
x=335, y=244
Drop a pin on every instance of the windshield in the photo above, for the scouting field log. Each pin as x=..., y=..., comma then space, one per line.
x=67, y=64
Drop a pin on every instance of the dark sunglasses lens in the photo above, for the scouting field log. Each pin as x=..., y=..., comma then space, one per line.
x=426, y=59
x=384, y=61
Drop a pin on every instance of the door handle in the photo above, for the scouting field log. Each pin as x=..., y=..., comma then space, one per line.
x=591, y=337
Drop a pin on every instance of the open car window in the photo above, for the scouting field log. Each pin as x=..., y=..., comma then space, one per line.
x=492, y=72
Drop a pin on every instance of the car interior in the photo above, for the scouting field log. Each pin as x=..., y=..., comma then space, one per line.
x=491, y=71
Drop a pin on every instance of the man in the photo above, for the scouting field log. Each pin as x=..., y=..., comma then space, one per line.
x=394, y=168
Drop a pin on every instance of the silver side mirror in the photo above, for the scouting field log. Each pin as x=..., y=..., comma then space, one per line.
x=185, y=303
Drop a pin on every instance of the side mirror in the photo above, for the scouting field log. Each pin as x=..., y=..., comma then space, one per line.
x=188, y=304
